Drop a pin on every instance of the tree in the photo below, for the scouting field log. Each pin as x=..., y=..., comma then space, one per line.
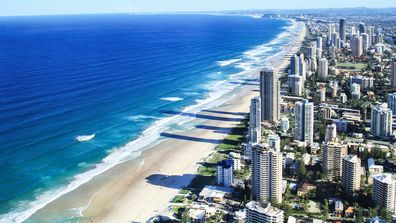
x=325, y=210
x=302, y=172
x=358, y=214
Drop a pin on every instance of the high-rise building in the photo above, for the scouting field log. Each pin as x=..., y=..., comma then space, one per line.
x=381, y=121
x=342, y=29
x=225, y=173
x=295, y=84
x=393, y=72
x=255, y=120
x=266, y=174
x=270, y=95
x=285, y=124
x=319, y=42
x=362, y=28
x=294, y=65
x=384, y=189
x=274, y=142
x=323, y=69
x=366, y=41
x=322, y=94
x=364, y=82
x=332, y=154
x=392, y=102
x=357, y=46
x=331, y=31
x=304, y=117
x=257, y=212
x=331, y=133
x=355, y=91
x=302, y=67
x=351, y=173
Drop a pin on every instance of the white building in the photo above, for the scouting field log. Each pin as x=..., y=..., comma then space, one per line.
x=384, y=188
x=351, y=173
x=323, y=69
x=304, y=115
x=285, y=124
x=331, y=155
x=381, y=121
x=225, y=173
x=364, y=82
x=266, y=174
x=257, y=212
x=331, y=133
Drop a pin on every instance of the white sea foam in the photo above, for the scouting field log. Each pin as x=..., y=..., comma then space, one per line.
x=84, y=138
x=138, y=118
x=220, y=93
x=227, y=62
x=172, y=99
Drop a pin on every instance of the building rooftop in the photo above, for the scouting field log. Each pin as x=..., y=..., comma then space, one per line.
x=351, y=158
x=264, y=208
x=385, y=177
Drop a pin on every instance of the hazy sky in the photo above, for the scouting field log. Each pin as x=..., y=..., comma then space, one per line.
x=34, y=7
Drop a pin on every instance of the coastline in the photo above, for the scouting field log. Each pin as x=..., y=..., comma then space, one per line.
x=144, y=187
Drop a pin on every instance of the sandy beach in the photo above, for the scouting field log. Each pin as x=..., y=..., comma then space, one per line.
x=139, y=189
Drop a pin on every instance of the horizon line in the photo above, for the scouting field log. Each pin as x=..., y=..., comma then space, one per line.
x=196, y=12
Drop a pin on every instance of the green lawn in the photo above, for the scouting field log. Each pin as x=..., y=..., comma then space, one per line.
x=356, y=66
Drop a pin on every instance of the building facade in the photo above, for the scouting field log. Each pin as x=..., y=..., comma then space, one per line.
x=351, y=173
x=270, y=95
x=304, y=118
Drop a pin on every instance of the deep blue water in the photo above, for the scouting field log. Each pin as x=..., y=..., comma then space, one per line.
x=108, y=75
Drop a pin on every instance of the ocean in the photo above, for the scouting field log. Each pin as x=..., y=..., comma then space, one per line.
x=81, y=93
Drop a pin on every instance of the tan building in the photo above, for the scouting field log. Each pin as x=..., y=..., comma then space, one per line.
x=351, y=173
x=332, y=155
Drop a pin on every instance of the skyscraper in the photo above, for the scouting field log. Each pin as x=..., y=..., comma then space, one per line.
x=362, y=28
x=255, y=120
x=319, y=43
x=331, y=31
x=342, y=29
x=381, y=121
x=392, y=102
x=302, y=67
x=332, y=154
x=304, y=111
x=225, y=173
x=357, y=46
x=384, y=189
x=393, y=72
x=351, y=173
x=323, y=69
x=257, y=212
x=294, y=65
x=270, y=95
x=274, y=142
x=331, y=133
x=355, y=91
x=266, y=174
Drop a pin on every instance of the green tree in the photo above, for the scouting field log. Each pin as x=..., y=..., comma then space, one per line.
x=325, y=210
x=358, y=214
x=302, y=171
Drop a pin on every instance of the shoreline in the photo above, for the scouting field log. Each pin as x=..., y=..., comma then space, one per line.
x=161, y=175
x=115, y=192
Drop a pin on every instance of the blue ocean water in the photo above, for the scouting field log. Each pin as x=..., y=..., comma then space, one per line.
x=105, y=78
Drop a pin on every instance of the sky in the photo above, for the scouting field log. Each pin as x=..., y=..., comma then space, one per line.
x=45, y=7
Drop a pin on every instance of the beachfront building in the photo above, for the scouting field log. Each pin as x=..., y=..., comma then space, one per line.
x=255, y=120
x=304, y=118
x=392, y=102
x=266, y=174
x=323, y=69
x=264, y=212
x=381, y=121
x=384, y=189
x=225, y=172
x=357, y=46
x=270, y=95
x=351, y=173
x=393, y=72
x=331, y=156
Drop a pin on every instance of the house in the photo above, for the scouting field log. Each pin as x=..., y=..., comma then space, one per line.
x=215, y=194
x=349, y=212
x=305, y=188
x=197, y=215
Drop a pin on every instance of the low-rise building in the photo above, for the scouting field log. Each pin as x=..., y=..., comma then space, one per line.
x=264, y=212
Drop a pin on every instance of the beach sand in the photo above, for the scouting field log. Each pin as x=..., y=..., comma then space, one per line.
x=136, y=190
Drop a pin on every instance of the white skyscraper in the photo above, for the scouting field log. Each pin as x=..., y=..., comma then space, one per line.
x=351, y=173
x=266, y=174
x=270, y=95
x=255, y=120
x=323, y=69
x=257, y=212
x=331, y=31
x=304, y=115
x=384, y=189
x=381, y=121
x=355, y=91
x=319, y=42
